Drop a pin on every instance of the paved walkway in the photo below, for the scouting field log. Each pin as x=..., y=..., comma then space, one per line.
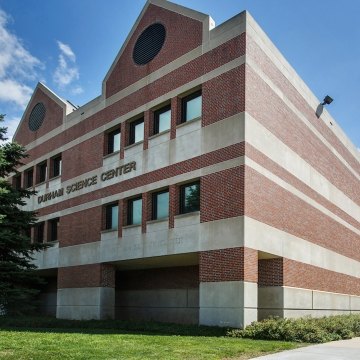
x=336, y=350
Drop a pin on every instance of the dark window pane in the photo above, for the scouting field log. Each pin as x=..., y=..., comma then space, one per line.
x=162, y=119
x=160, y=205
x=136, y=131
x=39, y=232
x=42, y=172
x=191, y=106
x=56, y=163
x=113, y=141
x=17, y=182
x=134, y=211
x=190, y=198
x=54, y=223
x=29, y=178
x=112, y=216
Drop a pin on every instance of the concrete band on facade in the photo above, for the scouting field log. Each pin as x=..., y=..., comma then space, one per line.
x=278, y=213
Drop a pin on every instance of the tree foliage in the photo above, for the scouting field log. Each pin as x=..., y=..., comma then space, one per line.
x=18, y=279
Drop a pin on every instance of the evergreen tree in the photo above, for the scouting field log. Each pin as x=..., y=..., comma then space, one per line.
x=18, y=279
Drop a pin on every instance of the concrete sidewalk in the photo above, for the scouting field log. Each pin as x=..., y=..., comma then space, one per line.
x=336, y=350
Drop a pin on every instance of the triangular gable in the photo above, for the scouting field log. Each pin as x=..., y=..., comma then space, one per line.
x=54, y=115
x=186, y=29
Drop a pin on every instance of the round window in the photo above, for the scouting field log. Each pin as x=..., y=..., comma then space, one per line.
x=37, y=116
x=149, y=43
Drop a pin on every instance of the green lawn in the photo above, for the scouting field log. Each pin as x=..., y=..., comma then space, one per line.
x=47, y=344
x=39, y=338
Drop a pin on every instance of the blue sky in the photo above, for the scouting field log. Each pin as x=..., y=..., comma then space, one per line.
x=69, y=45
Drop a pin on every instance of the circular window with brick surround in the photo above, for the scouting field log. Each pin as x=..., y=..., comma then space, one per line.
x=149, y=43
x=37, y=116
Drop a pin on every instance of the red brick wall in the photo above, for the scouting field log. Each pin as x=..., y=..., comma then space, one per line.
x=269, y=203
x=301, y=275
x=81, y=227
x=267, y=108
x=235, y=264
x=182, y=277
x=276, y=169
x=223, y=96
x=53, y=119
x=94, y=275
x=222, y=194
x=271, y=272
x=82, y=158
x=178, y=28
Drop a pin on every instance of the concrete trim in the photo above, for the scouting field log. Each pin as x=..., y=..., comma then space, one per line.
x=268, y=239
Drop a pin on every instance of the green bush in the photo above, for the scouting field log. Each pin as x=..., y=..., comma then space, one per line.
x=307, y=329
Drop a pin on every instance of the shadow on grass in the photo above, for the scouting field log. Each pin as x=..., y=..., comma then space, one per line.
x=48, y=324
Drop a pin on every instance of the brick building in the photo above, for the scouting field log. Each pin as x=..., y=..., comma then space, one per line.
x=204, y=185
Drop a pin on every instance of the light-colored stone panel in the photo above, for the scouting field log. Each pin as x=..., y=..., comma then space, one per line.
x=271, y=297
x=223, y=133
x=331, y=301
x=47, y=259
x=295, y=298
x=355, y=303
x=79, y=254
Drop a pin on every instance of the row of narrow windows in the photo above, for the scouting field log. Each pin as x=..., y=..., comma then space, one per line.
x=191, y=108
x=189, y=201
x=41, y=173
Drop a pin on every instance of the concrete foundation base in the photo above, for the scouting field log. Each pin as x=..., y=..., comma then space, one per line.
x=86, y=303
x=230, y=303
x=294, y=302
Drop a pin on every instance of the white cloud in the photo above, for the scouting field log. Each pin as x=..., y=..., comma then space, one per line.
x=17, y=66
x=66, y=71
x=13, y=91
x=77, y=90
x=11, y=125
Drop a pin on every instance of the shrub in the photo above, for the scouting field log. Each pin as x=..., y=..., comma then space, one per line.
x=307, y=329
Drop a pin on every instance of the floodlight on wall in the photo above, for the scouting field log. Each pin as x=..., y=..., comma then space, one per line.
x=327, y=100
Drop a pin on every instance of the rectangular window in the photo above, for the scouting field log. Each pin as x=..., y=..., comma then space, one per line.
x=160, y=205
x=190, y=198
x=134, y=211
x=111, y=217
x=39, y=232
x=136, y=131
x=162, y=119
x=53, y=229
x=17, y=182
x=113, y=141
x=29, y=178
x=42, y=172
x=56, y=166
x=191, y=106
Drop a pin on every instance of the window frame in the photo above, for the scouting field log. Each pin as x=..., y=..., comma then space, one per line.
x=182, y=209
x=54, y=224
x=110, y=141
x=156, y=118
x=132, y=132
x=154, y=215
x=27, y=177
x=39, y=239
x=130, y=210
x=108, y=225
x=184, y=102
x=39, y=169
x=55, y=160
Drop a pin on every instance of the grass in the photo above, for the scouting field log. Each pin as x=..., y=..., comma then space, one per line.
x=81, y=340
